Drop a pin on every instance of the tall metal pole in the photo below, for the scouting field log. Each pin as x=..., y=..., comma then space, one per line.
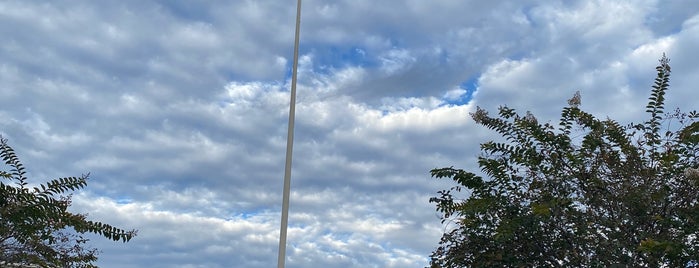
x=289, y=145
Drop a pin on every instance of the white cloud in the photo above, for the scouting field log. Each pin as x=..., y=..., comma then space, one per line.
x=179, y=111
x=176, y=239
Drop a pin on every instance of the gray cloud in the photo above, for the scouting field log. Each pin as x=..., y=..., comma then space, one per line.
x=179, y=111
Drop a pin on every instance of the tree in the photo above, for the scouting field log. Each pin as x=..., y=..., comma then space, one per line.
x=36, y=228
x=589, y=193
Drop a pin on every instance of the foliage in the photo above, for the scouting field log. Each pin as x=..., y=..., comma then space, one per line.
x=35, y=225
x=589, y=193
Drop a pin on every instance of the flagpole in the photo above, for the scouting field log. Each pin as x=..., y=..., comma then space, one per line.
x=289, y=145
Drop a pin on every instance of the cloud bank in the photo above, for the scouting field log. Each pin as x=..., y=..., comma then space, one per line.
x=179, y=109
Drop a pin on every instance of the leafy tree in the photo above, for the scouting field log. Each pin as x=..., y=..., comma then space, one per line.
x=36, y=229
x=588, y=193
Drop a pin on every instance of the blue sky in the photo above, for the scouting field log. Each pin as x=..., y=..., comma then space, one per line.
x=178, y=110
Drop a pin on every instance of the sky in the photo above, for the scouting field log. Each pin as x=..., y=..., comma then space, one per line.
x=178, y=110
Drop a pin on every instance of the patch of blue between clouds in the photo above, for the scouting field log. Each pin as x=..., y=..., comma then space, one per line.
x=329, y=58
x=124, y=200
x=354, y=56
x=470, y=86
x=246, y=215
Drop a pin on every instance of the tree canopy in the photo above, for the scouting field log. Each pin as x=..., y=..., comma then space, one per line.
x=587, y=193
x=36, y=228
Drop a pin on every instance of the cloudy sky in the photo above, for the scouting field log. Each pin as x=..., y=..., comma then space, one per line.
x=179, y=109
